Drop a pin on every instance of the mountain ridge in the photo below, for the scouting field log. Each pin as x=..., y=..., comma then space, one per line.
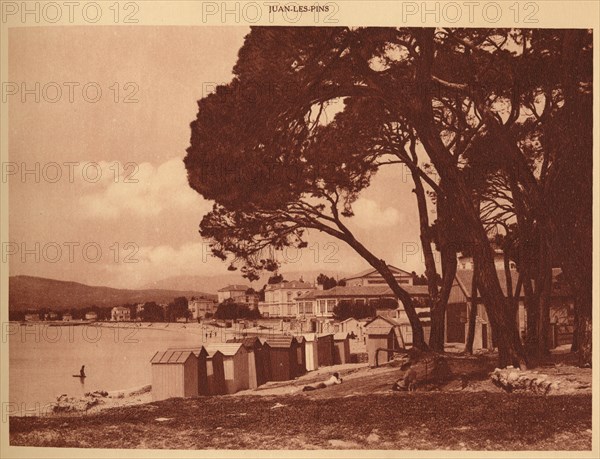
x=32, y=292
x=214, y=283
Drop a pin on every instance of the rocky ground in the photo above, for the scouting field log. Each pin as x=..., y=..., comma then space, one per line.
x=417, y=420
x=99, y=400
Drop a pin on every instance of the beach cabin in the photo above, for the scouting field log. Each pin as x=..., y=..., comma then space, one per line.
x=202, y=355
x=342, y=348
x=174, y=374
x=353, y=327
x=311, y=351
x=215, y=372
x=326, y=350
x=283, y=357
x=235, y=365
x=257, y=360
x=301, y=354
x=382, y=333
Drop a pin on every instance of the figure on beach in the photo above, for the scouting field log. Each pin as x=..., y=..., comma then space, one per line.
x=409, y=381
x=335, y=379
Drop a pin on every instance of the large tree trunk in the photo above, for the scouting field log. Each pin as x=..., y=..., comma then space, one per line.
x=404, y=297
x=436, y=339
x=533, y=316
x=543, y=293
x=425, y=236
x=499, y=311
x=580, y=281
x=448, y=252
x=438, y=312
x=571, y=189
x=409, y=308
x=575, y=343
x=472, y=313
x=584, y=336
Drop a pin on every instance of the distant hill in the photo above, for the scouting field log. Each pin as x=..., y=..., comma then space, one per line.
x=214, y=283
x=28, y=292
x=205, y=283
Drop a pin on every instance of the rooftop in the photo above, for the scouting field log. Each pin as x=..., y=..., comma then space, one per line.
x=372, y=291
x=227, y=349
x=464, y=281
x=197, y=350
x=248, y=342
x=234, y=288
x=171, y=356
x=368, y=272
x=280, y=341
x=387, y=319
x=290, y=284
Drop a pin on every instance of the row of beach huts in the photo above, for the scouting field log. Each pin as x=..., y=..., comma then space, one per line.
x=243, y=363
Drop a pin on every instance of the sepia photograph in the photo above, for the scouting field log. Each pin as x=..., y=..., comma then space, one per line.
x=234, y=227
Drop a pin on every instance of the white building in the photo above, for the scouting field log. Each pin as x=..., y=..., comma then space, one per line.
x=371, y=277
x=120, y=314
x=199, y=307
x=280, y=298
x=465, y=262
x=239, y=293
x=321, y=303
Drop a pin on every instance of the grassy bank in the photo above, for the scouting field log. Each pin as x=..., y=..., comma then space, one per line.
x=419, y=420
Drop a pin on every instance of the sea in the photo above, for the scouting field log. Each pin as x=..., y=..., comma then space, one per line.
x=43, y=358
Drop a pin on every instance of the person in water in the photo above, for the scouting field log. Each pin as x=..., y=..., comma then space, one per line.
x=82, y=372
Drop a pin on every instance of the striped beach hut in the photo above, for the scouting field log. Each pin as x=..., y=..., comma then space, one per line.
x=235, y=365
x=174, y=374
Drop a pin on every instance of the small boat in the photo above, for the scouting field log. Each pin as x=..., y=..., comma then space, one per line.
x=78, y=376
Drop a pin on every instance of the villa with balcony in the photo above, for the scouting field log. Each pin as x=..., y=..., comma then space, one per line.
x=280, y=299
x=321, y=303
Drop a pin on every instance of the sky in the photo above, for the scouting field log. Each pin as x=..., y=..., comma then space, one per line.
x=98, y=127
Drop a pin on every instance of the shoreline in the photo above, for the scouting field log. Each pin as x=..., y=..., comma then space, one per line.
x=92, y=403
x=468, y=374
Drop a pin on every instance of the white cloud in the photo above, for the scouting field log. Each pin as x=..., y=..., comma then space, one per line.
x=152, y=263
x=370, y=214
x=143, y=190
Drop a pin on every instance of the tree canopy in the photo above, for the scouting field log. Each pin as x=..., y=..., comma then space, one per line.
x=503, y=117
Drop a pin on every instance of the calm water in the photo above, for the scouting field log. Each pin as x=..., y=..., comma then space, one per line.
x=42, y=359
